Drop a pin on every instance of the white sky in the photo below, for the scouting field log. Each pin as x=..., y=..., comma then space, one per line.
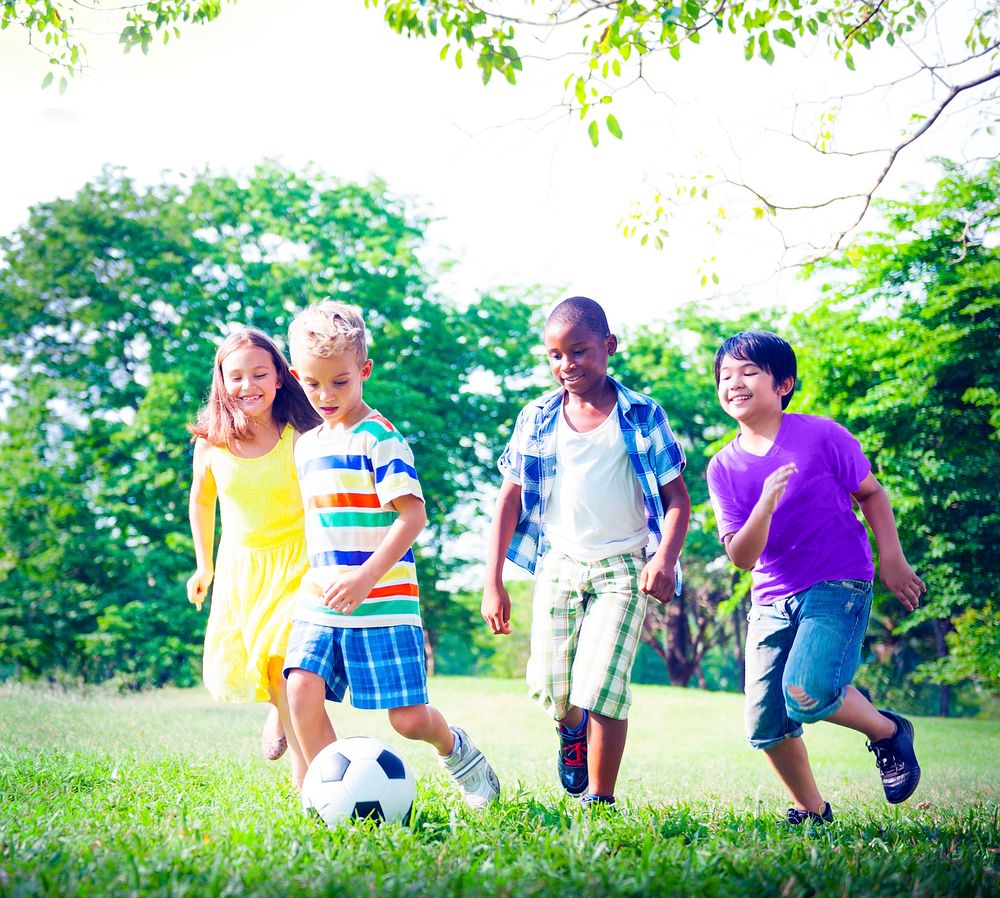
x=521, y=202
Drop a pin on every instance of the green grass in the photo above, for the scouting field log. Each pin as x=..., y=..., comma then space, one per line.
x=166, y=794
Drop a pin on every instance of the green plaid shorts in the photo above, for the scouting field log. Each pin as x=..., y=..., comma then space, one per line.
x=586, y=620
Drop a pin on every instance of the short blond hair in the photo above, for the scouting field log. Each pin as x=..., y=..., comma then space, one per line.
x=329, y=328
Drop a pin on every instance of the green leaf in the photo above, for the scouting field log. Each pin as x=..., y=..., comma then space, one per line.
x=47, y=80
x=458, y=58
x=784, y=36
x=766, y=53
x=849, y=61
x=593, y=133
x=581, y=90
x=748, y=49
x=614, y=127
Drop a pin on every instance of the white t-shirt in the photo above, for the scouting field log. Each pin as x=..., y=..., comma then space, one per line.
x=596, y=508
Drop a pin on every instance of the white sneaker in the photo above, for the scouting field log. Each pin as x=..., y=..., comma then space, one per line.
x=471, y=771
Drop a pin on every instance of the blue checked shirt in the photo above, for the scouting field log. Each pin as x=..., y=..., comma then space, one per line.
x=530, y=461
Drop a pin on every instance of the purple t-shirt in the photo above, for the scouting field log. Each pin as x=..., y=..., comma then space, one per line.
x=814, y=534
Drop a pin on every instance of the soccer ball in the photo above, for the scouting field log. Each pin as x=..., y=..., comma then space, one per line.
x=359, y=777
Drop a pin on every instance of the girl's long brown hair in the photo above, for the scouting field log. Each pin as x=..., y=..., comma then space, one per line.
x=222, y=422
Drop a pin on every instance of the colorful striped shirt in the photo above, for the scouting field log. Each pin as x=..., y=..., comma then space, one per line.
x=348, y=480
x=530, y=461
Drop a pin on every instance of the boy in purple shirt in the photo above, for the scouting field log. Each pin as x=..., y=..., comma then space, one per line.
x=782, y=494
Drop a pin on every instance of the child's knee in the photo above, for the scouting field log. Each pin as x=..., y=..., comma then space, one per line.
x=809, y=702
x=303, y=687
x=410, y=722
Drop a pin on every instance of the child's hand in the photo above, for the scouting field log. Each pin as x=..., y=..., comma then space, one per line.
x=197, y=586
x=495, y=609
x=657, y=582
x=347, y=592
x=900, y=579
x=774, y=487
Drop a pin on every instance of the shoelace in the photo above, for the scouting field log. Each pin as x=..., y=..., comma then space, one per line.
x=886, y=759
x=575, y=754
x=796, y=816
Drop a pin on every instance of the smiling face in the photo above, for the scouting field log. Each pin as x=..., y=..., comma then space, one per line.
x=578, y=358
x=251, y=380
x=749, y=394
x=333, y=385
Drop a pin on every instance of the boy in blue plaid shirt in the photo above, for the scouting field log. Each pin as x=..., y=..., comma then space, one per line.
x=592, y=474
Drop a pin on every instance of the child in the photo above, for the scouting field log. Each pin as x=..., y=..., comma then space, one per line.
x=357, y=622
x=782, y=496
x=592, y=471
x=243, y=456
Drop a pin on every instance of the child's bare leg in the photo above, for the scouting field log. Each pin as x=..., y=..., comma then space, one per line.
x=424, y=723
x=606, y=741
x=279, y=698
x=307, y=711
x=791, y=762
x=573, y=718
x=860, y=714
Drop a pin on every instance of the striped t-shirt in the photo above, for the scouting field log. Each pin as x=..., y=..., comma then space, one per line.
x=348, y=480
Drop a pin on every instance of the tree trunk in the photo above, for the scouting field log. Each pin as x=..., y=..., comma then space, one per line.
x=944, y=690
x=679, y=665
x=738, y=648
x=428, y=653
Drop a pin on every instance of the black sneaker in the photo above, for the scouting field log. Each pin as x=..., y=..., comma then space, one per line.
x=897, y=763
x=795, y=817
x=572, y=761
x=605, y=802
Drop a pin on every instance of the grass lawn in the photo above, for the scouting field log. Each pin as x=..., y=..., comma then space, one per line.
x=166, y=794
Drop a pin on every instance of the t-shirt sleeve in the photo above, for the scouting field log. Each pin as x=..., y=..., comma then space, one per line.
x=511, y=461
x=848, y=461
x=729, y=516
x=395, y=474
x=669, y=460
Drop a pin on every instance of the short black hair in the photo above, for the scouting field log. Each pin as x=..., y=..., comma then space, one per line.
x=767, y=351
x=580, y=310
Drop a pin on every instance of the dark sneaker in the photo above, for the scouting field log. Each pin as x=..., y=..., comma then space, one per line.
x=795, y=817
x=897, y=763
x=572, y=761
x=604, y=802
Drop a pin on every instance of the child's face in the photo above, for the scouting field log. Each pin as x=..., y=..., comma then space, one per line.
x=333, y=386
x=250, y=378
x=747, y=392
x=578, y=357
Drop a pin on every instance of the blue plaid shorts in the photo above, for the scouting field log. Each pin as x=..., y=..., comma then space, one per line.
x=384, y=666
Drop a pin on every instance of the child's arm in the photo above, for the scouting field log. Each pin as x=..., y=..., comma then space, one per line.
x=746, y=544
x=351, y=588
x=201, y=513
x=657, y=578
x=495, y=606
x=895, y=572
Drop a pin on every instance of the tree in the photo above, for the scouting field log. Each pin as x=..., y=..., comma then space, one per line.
x=673, y=362
x=53, y=27
x=950, y=48
x=111, y=305
x=903, y=352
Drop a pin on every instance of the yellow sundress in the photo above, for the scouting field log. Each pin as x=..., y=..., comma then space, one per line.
x=258, y=568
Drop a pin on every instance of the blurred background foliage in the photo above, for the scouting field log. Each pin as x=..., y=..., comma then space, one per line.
x=112, y=303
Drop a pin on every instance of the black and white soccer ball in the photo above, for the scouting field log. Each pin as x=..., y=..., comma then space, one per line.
x=359, y=778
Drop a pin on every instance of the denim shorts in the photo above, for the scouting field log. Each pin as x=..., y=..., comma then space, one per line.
x=801, y=655
x=384, y=666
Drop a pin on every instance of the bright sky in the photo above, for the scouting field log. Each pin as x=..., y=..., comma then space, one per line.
x=522, y=196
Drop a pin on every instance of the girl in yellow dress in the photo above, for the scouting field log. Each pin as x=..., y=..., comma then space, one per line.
x=243, y=458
